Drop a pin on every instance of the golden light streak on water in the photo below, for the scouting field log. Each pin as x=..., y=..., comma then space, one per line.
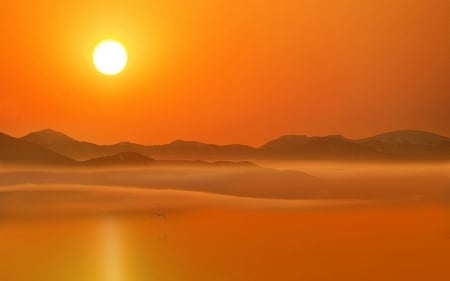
x=112, y=254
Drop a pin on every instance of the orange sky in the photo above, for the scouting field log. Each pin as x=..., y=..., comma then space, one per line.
x=226, y=71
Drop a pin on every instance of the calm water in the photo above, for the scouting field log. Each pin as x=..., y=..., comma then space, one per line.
x=228, y=242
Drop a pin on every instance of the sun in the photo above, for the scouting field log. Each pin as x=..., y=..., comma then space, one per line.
x=110, y=57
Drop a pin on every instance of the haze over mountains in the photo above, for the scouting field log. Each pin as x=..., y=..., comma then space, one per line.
x=50, y=147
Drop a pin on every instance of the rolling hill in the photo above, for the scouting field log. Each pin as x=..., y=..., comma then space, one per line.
x=185, y=150
x=14, y=151
x=334, y=147
x=65, y=145
x=410, y=144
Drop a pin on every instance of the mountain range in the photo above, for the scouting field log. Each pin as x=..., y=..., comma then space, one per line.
x=51, y=147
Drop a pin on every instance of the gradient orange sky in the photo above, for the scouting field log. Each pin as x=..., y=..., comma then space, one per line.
x=226, y=71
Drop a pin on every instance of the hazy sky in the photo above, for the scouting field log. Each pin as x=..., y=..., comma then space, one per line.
x=226, y=71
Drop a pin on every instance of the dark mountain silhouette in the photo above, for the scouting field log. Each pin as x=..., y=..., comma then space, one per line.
x=65, y=145
x=187, y=150
x=404, y=145
x=19, y=152
x=410, y=144
x=45, y=148
x=190, y=150
x=15, y=151
x=333, y=147
x=409, y=136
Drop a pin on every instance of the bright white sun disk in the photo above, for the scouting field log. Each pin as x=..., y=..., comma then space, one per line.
x=110, y=57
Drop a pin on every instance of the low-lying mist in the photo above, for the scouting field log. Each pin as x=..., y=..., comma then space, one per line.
x=279, y=181
x=291, y=221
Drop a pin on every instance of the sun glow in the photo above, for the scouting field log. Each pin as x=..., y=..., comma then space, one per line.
x=110, y=57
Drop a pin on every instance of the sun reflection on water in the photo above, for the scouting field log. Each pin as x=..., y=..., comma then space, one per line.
x=112, y=250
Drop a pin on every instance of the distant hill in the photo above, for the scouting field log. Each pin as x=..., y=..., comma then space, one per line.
x=65, y=145
x=410, y=144
x=410, y=137
x=20, y=152
x=334, y=147
x=406, y=145
x=46, y=148
x=186, y=150
x=191, y=150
